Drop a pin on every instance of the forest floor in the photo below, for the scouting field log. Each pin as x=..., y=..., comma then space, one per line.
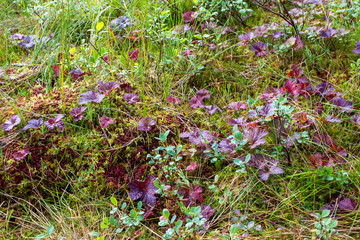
x=188, y=119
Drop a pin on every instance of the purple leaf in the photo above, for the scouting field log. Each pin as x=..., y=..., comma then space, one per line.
x=145, y=124
x=290, y=140
x=267, y=110
x=131, y=98
x=323, y=88
x=333, y=119
x=12, y=122
x=192, y=166
x=278, y=34
x=212, y=109
x=77, y=113
x=237, y=121
x=120, y=22
x=259, y=49
x=91, y=96
x=357, y=49
x=226, y=146
x=19, y=155
x=260, y=31
x=236, y=106
x=246, y=38
x=182, y=29
x=198, y=136
x=207, y=211
x=107, y=88
x=190, y=16
x=196, y=102
x=291, y=88
x=348, y=204
x=191, y=195
x=269, y=169
x=56, y=69
x=203, y=93
x=346, y=106
x=143, y=191
x=327, y=33
x=269, y=94
x=173, y=100
x=55, y=122
x=35, y=124
x=77, y=74
x=105, y=121
x=255, y=137
x=134, y=55
x=356, y=119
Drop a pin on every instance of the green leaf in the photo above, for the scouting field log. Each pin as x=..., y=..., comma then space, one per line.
x=238, y=135
x=325, y=213
x=139, y=204
x=123, y=206
x=113, y=211
x=114, y=201
x=103, y=225
x=173, y=219
x=49, y=230
x=40, y=236
x=99, y=26
x=94, y=234
x=166, y=213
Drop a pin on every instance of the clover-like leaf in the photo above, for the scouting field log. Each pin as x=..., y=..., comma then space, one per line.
x=348, y=204
x=11, y=123
x=120, y=22
x=131, y=98
x=236, y=106
x=198, y=137
x=107, y=88
x=146, y=124
x=77, y=74
x=77, y=113
x=357, y=49
x=134, y=55
x=196, y=102
x=55, y=122
x=91, y=96
x=238, y=121
x=19, y=155
x=56, y=70
x=212, y=109
x=192, y=166
x=277, y=34
x=190, y=16
x=173, y=100
x=356, y=119
x=225, y=145
x=346, y=106
x=207, y=211
x=143, y=191
x=255, y=137
x=259, y=49
x=191, y=195
x=105, y=121
x=246, y=38
x=333, y=119
x=35, y=124
x=327, y=33
x=181, y=29
x=269, y=169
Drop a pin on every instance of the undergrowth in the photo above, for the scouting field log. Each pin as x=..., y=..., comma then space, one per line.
x=189, y=119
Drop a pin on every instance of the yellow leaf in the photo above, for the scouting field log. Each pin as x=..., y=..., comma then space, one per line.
x=99, y=26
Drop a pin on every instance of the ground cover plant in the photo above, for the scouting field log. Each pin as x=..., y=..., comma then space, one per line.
x=186, y=119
